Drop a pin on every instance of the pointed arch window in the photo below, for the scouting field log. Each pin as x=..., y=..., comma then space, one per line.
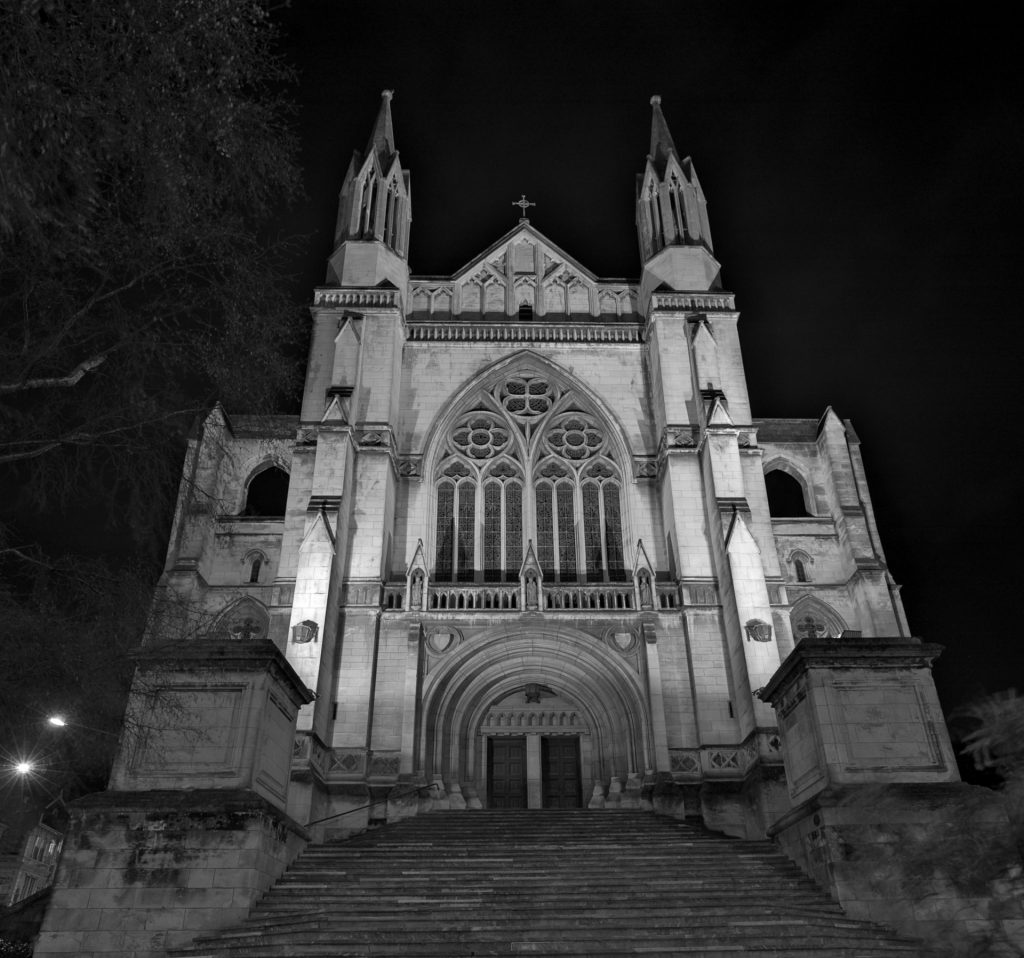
x=528, y=464
x=654, y=211
x=675, y=199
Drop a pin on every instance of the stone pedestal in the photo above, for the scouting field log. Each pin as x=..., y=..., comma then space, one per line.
x=193, y=829
x=880, y=818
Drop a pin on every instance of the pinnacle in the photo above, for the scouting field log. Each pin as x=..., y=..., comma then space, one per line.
x=661, y=139
x=382, y=139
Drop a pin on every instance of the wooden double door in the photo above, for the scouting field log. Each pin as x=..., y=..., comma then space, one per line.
x=508, y=772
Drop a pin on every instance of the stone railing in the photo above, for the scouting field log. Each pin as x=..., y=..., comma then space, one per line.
x=493, y=596
x=668, y=598
x=506, y=596
x=696, y=301
x=532, y=332
x=566, y=598
x=331, y=296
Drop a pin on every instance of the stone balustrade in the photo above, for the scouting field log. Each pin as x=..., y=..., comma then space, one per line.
x=554, y=598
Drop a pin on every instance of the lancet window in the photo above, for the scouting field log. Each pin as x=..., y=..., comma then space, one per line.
x=368, y=205
x=675, y=198
x=528, y=464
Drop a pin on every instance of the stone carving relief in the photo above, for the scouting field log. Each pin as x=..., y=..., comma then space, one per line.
x=444, y=639
x=679, y=437
x=622, y=640
x=685, y=762
x=347, y=762
x=411, y=467
x=645, y=468
x=758, y=630
x=305, y=632
x=385, y=765
x=245, y=621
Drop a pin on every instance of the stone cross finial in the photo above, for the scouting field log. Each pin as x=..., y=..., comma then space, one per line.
x=523, y=203
x=387, y=94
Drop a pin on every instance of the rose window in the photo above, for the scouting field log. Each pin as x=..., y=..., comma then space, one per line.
x=574, y=438
x=480, y=437
x=527, y=398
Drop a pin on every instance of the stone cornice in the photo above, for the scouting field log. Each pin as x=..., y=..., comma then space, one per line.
x=882, y=653
x=226, y=655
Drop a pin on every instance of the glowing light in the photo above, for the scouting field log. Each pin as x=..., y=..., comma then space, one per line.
x=23, y=768
x=57, y=720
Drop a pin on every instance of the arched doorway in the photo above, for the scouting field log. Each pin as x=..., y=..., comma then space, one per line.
x=587, y=705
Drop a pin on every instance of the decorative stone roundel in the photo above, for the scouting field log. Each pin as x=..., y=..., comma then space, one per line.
x=480, y=437
x=443, y=640
x=525, y=397
x=574, y=437
x=622, y=640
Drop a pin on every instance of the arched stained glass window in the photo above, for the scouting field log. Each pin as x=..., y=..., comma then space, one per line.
x=466, y=532
x=528, y=463
x=613, y=533
x=445, y=530
x=513, y=530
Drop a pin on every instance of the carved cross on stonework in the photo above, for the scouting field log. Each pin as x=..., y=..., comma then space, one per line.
x=809, y=629
x=523, y=203
x=246, y=629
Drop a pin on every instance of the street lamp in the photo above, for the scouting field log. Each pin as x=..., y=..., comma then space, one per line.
x=57, y=720
x=23, y=768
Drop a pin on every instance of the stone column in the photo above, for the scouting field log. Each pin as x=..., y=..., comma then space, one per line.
x=199, y=788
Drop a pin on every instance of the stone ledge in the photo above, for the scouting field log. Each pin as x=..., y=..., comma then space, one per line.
x=239, y=803
x=259, y=655
x=851, y=652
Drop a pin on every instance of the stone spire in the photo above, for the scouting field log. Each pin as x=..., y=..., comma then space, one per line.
x=382, y=139
x=374, y=212
x=662, y=145
x=671, y=217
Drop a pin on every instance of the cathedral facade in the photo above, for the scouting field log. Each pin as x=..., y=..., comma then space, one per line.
x=526, y=540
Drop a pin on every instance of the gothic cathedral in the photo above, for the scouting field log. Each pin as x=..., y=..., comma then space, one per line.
x=526, y=541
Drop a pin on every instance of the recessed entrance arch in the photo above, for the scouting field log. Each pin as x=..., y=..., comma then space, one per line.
x=587, y=683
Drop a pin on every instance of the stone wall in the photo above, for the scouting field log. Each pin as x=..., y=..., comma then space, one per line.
x=931, y=861
x=144, y=872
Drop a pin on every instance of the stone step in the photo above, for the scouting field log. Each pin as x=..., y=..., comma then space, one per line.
x=546, y=948
x=454, y=884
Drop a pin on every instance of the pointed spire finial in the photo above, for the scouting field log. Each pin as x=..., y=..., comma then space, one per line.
x=382, y=139
x=661, y=139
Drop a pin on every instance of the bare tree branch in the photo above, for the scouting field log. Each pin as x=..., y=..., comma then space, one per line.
x=52, y=382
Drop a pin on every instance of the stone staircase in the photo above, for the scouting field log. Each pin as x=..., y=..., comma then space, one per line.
x=545, y=883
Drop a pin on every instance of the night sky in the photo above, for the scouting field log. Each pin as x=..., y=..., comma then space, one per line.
x=862, y=165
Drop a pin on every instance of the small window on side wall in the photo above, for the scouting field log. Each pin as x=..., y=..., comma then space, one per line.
x=785, y=496
x=267, y=494
x=254, y=570
x=798, y=568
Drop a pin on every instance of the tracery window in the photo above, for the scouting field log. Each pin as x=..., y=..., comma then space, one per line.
x=528, y=463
